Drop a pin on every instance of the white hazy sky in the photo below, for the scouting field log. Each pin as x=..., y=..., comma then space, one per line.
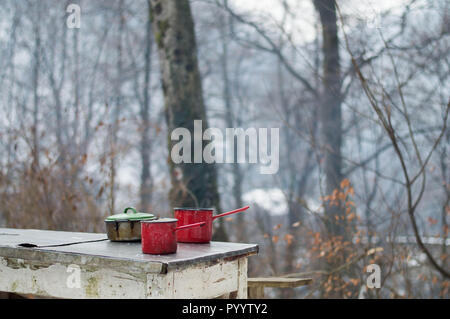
x=274, y=8
x=303, y=22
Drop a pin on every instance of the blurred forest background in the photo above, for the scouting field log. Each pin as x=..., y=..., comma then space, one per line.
x=359, y=90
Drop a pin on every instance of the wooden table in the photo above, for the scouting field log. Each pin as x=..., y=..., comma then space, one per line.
x=87, y=265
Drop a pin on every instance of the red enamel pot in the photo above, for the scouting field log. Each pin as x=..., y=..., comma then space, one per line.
x=188, y=216
x=159, y=236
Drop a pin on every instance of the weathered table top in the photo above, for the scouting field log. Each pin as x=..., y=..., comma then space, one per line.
x=72, y=247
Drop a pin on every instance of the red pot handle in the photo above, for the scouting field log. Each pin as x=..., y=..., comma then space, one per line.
x=189, y=226
x=231, y=212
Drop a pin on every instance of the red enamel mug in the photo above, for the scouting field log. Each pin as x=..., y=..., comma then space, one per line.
x=159, y=236
x=188, y=216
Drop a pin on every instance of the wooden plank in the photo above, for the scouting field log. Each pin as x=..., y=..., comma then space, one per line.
x=256, y=292
x=206, y=281
x=242, y=279
x=200, y=281
x=278, y=282
x=53, y=280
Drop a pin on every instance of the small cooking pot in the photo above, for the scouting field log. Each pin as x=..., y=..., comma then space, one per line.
x=160, y=236
x=187, y=216
x=126, y=226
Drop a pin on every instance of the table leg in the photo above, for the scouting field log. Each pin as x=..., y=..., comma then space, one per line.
x=242, y=278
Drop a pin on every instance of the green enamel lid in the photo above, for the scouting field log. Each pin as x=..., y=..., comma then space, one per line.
x=133, y=215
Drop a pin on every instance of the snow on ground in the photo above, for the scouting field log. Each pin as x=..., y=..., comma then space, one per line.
x=272, y=200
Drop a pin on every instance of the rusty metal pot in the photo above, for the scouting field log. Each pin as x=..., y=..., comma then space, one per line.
x=159, y=237
x=187, y=216
x=126, y=226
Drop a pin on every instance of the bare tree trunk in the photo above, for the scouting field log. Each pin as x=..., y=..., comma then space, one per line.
x=146, y=143
x=173, y=27
x=56, y=79
x=331, y=130
x=230, y=122
x=330, y=110
x=76, y=90
x=116, y=112
x=74, y=147
x=446, y=204
x=297, y=178
x=87, y=126
x=36, y=70
x=291, y=177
